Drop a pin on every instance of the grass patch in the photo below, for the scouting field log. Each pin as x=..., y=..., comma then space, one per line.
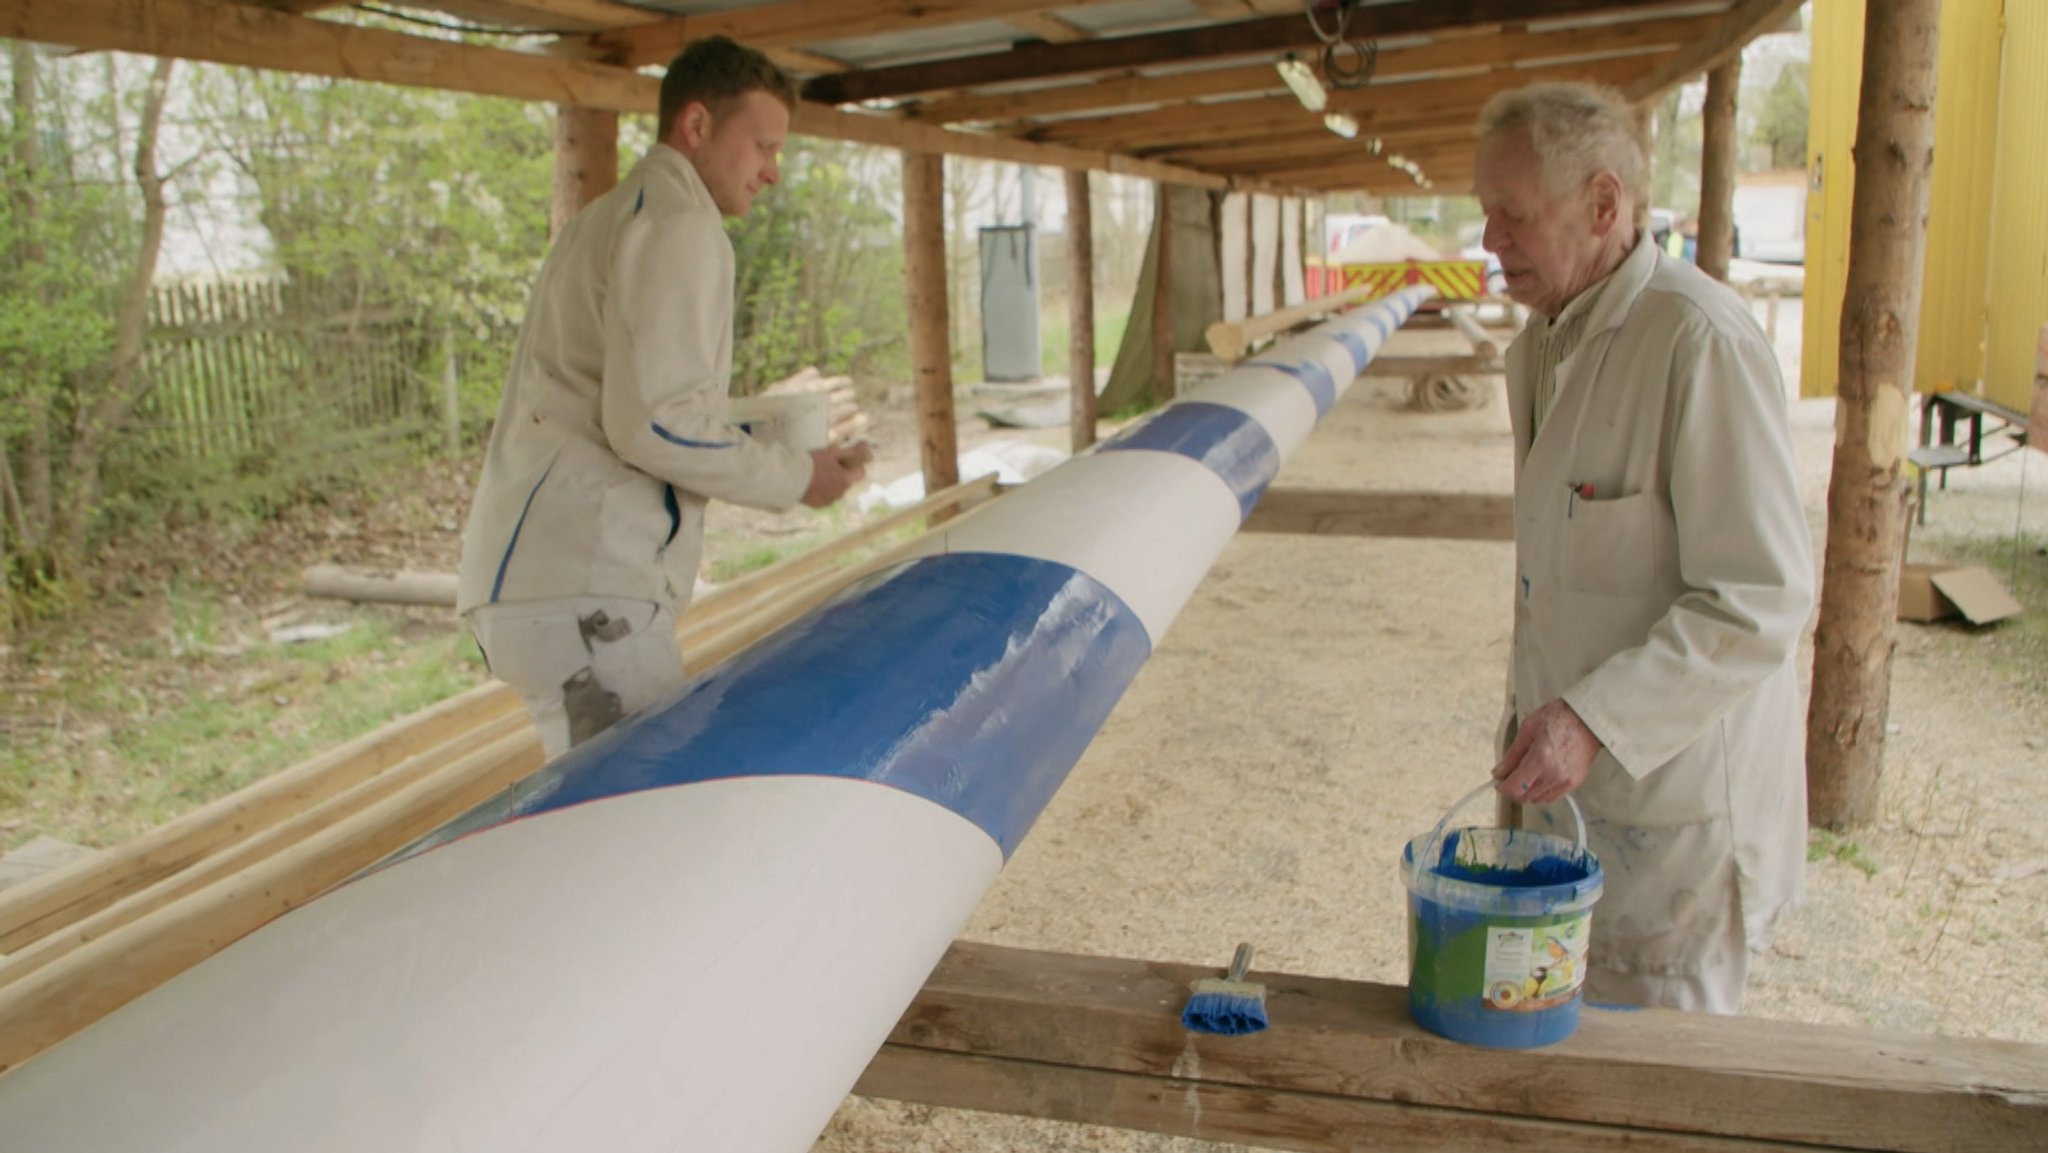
x=161, y=735
x=1822, y=845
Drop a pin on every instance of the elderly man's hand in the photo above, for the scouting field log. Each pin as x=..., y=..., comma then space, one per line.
x=1552, y=753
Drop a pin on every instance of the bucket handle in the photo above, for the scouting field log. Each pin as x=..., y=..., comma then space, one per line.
x=1434, y=845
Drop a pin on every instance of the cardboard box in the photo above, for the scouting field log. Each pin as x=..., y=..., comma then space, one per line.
x=1936, y=591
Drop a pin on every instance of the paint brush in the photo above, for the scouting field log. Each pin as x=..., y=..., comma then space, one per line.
x=1232, y=1006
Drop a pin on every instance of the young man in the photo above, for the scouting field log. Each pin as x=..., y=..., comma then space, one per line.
x=1663, y=566
x=584, y=537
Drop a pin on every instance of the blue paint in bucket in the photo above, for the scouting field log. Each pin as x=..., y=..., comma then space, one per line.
x=1498, y=925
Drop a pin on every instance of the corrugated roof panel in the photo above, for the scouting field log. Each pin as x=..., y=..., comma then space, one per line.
x=944, y=42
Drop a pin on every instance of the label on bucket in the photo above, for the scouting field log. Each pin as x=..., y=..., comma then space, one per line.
x=1534, y=967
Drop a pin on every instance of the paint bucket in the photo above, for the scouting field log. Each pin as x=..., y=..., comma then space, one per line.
x=797, y=419
x=1498, y=923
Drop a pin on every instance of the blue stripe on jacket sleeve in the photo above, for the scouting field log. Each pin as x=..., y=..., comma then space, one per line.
x=685, y=441
x=505, y=562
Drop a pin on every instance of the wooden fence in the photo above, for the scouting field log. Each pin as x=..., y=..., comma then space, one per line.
x=248, y=368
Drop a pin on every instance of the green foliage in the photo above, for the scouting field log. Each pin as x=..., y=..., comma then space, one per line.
x=1781, y=124
x=820, y=270
x=1822, y=845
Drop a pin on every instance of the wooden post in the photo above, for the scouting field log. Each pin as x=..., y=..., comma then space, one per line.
x=931, y=352
x=1162, y=294
x=1080, y=309
x=1717, y=171
x=586, y=160
x=1867, y=495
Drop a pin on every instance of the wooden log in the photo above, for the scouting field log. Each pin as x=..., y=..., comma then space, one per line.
x=63, y=896
x=1230, y=340
x=1715, y=243
x=931, y=355
x=1098, y=1040
x=63, y=997
x=1081, y=414
x=1430, y=515
x=234, y=858
x=1483, y=345
x=379, y=586
x=586, y=160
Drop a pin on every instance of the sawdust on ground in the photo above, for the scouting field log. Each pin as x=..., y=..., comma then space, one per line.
x=1321, y=700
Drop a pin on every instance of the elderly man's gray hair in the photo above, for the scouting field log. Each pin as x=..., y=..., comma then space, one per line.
x=1577, y=130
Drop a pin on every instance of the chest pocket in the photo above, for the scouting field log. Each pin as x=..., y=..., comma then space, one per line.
x=1617, y=547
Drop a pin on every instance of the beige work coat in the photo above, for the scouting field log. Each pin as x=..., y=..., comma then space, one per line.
x=612, y=434
x=1664, y=573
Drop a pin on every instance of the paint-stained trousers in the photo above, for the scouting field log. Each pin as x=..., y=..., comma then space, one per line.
x=582, y=664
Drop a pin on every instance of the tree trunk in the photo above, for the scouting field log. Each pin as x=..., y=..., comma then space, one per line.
x=117, y=385
x=586, y=161
x=1717, y=171
x=931, y=358
x=1080, y=309
x=32, y=497
x=1867, y=494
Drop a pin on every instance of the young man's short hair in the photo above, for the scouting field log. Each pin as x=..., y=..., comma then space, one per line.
x=712, y=72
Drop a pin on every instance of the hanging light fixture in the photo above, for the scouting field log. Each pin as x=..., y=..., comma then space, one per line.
x=1302, y=80
x=1341, y=123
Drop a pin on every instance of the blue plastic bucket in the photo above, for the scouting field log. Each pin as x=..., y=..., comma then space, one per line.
x=1498, y=925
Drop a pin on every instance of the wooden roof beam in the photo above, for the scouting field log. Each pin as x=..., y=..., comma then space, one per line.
x=1744, y=23
x=1374, y=106
x=1394, y=63
x=794, y=23
x=1273, y=33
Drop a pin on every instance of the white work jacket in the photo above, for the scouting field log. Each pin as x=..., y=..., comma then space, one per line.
x=612, y=434
x=1664, y=573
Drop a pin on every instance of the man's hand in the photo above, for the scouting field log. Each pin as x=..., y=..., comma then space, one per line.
x=1552, y=753
x=834, y=470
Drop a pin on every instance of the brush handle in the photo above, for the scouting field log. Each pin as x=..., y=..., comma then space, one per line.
x=1241, y=961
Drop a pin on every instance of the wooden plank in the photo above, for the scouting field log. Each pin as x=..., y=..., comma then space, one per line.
x=1745, y=22
x=1229, y=340
x=1191, y=1106
x=1417, y=366
x=225, y=33
x=1274, y=33
x=1426, y=515
x=1457, y=54
x=1046, y=27
x=1638, y=1074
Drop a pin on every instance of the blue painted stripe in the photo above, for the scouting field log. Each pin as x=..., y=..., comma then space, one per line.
x=685, y=441
x=1355, y=345
x=1322, y=388
x=973, y=680
x=640, y=201
x=505, y=562
x=675, y=513
x=1226, y=440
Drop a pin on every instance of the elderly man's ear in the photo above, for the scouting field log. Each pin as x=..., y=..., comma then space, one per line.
x=1607, y=214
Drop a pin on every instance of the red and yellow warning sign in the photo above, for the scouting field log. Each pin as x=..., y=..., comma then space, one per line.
x=1454, y=279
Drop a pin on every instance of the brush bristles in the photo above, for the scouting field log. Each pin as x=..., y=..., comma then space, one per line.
x=1227, y=1008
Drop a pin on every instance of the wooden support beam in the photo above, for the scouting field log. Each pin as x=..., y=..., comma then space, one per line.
x=931, y=353
x=1522, y=47
x=586, y=161
x=1080, y=311
x=1276, y=33
x=1421, y=366
x=1423, y=515
x=1162, y=295
x=1098, y=1040
x=1715, y=243
x=1745, y=22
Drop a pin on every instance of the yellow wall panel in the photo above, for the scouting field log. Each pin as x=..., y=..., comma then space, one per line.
x=2018, y=296
x=1949, y=344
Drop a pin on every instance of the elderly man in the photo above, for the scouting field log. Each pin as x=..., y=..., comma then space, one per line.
x=1663, y=566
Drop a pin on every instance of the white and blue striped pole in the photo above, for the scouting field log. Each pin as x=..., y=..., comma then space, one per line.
x=694, y=932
